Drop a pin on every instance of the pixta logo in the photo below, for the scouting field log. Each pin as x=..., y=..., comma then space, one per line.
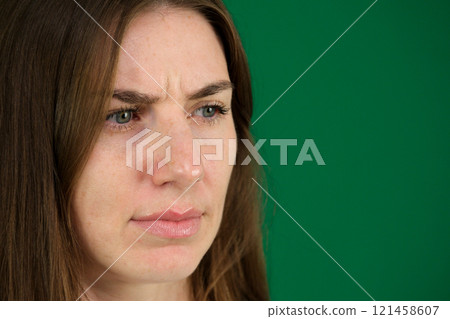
x=142, y=146
x=309, y=148
x=143, y=141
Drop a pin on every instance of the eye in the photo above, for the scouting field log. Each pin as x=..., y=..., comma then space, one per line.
x=122, y=119
x=208, y=111
x=211, y=112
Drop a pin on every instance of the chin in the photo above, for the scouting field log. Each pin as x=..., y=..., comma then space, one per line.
x=163, y=264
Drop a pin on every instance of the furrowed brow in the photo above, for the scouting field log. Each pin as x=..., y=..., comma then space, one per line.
x=134, y=97
x=211, y=89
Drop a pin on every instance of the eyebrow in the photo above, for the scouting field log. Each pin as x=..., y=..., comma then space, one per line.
x=134, y=97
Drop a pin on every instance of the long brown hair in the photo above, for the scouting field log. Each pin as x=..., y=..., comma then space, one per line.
x=56, y=72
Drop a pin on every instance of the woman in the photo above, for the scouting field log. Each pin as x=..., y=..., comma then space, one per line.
x=80, y=80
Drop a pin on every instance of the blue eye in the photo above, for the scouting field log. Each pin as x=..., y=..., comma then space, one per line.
x=121, y=117
x=209, y=111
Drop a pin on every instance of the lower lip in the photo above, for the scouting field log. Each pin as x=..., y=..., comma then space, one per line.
x=171, y=229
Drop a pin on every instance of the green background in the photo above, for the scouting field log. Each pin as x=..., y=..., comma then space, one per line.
x=377, y=105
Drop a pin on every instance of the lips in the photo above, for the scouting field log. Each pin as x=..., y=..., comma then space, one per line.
x=172, y=223
x=172, y=215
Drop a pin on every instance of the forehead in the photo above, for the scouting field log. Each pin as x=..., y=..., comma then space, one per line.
x=177, y=48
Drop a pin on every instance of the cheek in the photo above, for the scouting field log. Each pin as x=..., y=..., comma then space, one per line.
x=100, y=178
x=217, y=173
x=99, y=207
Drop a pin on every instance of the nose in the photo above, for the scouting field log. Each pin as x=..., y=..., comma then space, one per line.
x=173, y=161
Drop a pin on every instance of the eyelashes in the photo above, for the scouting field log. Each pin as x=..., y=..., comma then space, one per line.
x=123, y=119
x=210, y=113
x=126, y=117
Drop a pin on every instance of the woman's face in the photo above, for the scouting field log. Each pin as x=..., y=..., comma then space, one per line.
x=113, y=203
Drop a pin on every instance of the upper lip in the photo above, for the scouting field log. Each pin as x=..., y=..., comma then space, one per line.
x=172, y=215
